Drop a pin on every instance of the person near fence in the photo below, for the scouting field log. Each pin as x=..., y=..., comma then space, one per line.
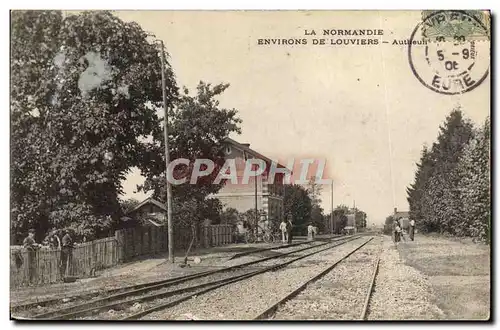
x=289, y=229
x=284, y=233
x=66, y=253
x=30, y=245
x=54, y=240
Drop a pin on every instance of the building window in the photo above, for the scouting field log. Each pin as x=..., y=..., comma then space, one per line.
x=227, y=150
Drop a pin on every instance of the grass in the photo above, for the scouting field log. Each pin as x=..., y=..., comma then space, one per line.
x=459, y=273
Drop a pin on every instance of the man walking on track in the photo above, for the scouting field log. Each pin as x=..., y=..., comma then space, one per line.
x=412, y=229
x=284, y=233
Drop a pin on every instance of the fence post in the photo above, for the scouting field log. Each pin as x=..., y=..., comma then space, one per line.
x=120, y=239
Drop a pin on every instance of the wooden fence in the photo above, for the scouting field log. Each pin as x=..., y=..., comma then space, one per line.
x=45, y=268
x=216, y=235
x=89, y=257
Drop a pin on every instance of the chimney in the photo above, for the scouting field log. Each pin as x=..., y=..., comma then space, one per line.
x=246, y=145
x=395, y=210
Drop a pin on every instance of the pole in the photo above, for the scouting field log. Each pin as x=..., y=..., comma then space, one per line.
x=167, y=158
x=355, y=227
x=331, y=214
x=256, y=209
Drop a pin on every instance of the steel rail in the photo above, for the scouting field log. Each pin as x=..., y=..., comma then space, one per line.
x=145, y=287
x=229, y=281
x=366, y=305
x=242, y=254
x=271, y=310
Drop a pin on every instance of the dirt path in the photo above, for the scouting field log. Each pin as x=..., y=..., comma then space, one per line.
x=459, y=272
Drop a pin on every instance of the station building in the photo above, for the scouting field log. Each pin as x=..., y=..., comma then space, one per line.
x=258, y=193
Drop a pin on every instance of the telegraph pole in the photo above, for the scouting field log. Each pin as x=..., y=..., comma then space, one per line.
x=256, y=209
x=167, y=158
x=355, y=227
x=331, y=214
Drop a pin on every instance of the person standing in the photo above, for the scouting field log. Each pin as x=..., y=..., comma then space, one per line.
x=310, y=232
x=54, y=240
x=398, y=232
x=412, y=229
x=289, y=229
x=66, y=253
x=284, y=233
x=394, y=224
x=31, y=246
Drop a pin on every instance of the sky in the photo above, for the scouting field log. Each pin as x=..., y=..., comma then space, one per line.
x=360, y=107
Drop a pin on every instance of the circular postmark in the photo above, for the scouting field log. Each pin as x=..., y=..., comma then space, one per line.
x=449, y=51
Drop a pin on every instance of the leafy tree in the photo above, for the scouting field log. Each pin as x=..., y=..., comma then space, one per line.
x=314, y=192
x=340, y=218
x=84, y=90
x=360, y=219
x=297, y=203
x=230, y=216
x=197, y=128
x=128, y=204
x=388, y=225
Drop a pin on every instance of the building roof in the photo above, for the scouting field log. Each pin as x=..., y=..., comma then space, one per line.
x=155, y=223
x=246, y=148
x=147, y=201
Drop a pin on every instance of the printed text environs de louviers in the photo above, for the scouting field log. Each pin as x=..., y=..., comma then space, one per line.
x=333, y=37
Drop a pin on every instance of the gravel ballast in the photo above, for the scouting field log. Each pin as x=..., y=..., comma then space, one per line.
x=401, y=292
x=247, y=299
x=340, y=294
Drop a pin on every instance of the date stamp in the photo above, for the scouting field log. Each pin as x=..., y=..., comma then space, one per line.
x=455, y=55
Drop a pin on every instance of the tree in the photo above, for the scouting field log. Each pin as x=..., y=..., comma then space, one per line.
x=197, y=128
x=388, y=225
x=340, y=218
x=128, y=204
x=443, y=186
x=416, y=190
x=297, y=203
x=451, y=192
x=474, y=193
x=314, y=193
x=84, y=90
x=230, y=216
x=360, y=219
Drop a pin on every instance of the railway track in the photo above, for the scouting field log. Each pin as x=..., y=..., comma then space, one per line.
x=177, y=301
x=118, y=298
x=314, y=296
x=246, y=253
x=366, y=306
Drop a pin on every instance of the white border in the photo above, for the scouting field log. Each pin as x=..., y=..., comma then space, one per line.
x=191, y=5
